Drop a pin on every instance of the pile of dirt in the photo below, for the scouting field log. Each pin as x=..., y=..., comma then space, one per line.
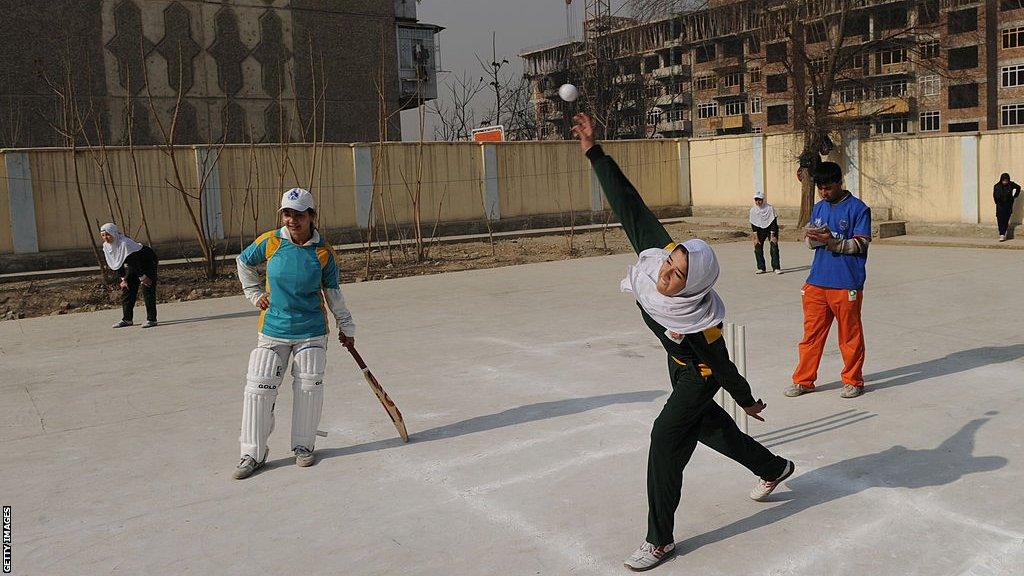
x=26, y=299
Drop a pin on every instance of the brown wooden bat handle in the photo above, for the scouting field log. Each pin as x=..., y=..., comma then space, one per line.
x=359, y=359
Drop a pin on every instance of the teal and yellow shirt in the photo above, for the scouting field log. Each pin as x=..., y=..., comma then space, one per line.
x=296, y=278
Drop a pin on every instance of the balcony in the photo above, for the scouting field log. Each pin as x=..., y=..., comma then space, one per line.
x=735, y=121
x=671, y=100
x=674, y=126
x=729, y=91
x=894, y=69
x=625, y=79
x=891, y=105
x=715, y=123
x=627, y=104
x=668, y=72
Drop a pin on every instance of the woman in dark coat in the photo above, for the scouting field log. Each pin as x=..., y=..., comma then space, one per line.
x=1004, y=193
x=136, y=265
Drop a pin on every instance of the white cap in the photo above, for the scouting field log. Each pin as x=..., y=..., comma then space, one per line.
x=297, y=199
x=759, y=194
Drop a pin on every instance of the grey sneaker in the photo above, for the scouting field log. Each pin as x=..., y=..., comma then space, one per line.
x=247, y=466
x=794, y=390
x=149, y=324
x=764, y=488
x=850, y=391
x=122, y=324
x=304, y=456
x=648, y=556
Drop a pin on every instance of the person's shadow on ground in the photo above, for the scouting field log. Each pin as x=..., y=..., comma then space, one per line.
x=896, y=467
x=953, y=363
x=510, y=417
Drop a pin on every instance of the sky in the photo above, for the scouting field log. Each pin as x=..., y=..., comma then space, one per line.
x=468, y=24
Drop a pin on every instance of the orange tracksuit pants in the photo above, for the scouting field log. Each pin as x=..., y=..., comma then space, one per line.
x=821, y=305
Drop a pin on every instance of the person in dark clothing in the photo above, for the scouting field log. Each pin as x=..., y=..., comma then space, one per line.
x=674, y=288
x=1004, y=193
x=764, y=223
x=136, y=265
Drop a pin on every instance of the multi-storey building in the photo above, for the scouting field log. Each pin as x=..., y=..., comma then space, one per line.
x=115, y=71
x=916, y=66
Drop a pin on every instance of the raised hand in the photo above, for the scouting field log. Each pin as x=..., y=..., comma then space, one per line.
x=583, y=129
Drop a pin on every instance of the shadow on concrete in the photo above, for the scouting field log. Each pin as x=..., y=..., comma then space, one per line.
x=812, y=427
x=510, y=417
x=896, y=467
x=961, y=361
x=209, y=318
x=795, y=269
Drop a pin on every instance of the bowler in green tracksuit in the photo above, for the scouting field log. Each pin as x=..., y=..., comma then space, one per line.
x=673, y=284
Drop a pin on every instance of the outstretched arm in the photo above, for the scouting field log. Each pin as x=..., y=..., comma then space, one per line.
x=640, y=224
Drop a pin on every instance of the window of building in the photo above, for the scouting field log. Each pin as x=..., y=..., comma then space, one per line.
x=963, y=58
x=753, y=45
x=963, y=96
x=674, y=114
x=963, y=126
x=963, y=21
x=929, y=50
x=705, y=53
x=704, y=82
x=891, y=89
x=930, y=85
x=929, y=122
x=756, y=130
x=735, y=107
x=928, y=12
x=1013, y=76
x=733, y=79
x=732, y=48
x=1013, y=37
x=891, y=126
x=706, y=134
x=893, y=18
x=1005, y=5
x=755, y=105
x=856, y=25
x=755, y=75
x=778, y=114
x=817, y=65
x=892, y=56
x=1013, y=114
x=777, y=83
x=707, y=110
x=654, y=116
x=816, y=32
x=776, y=52
x=652, y=91
x=851, y=94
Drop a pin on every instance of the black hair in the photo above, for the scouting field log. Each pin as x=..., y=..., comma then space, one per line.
x=1004, y=176
x=828, y=173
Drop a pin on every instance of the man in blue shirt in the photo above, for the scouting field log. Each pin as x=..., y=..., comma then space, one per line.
x=839, y=234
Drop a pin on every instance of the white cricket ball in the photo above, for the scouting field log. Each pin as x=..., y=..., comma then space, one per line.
x=568, y=92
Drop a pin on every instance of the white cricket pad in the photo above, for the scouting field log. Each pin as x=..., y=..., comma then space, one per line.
x=265, y=374
x=308, y=393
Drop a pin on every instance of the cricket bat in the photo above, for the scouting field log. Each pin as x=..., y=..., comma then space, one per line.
x=385, y=400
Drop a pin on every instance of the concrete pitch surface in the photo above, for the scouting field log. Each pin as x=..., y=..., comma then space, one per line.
x=529, y=392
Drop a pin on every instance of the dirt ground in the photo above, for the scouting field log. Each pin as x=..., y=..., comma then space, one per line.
x=178, y=283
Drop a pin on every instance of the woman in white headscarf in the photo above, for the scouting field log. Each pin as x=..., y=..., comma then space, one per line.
x=674, y=288
x=136, y=265
x=765, y=224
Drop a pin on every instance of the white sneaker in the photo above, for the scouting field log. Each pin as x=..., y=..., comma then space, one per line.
x=648, y=556
x=764, y=488
x=1002, y=238
x=778, y=270
x=759, y=271
x=304, y=456
x=122, y=324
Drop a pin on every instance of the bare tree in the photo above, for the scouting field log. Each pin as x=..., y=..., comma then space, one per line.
x=456, y=117
x=833, y=50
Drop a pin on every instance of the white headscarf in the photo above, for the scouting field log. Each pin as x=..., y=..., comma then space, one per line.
x=120, y=248
x=762, y=216
x=696, y=307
